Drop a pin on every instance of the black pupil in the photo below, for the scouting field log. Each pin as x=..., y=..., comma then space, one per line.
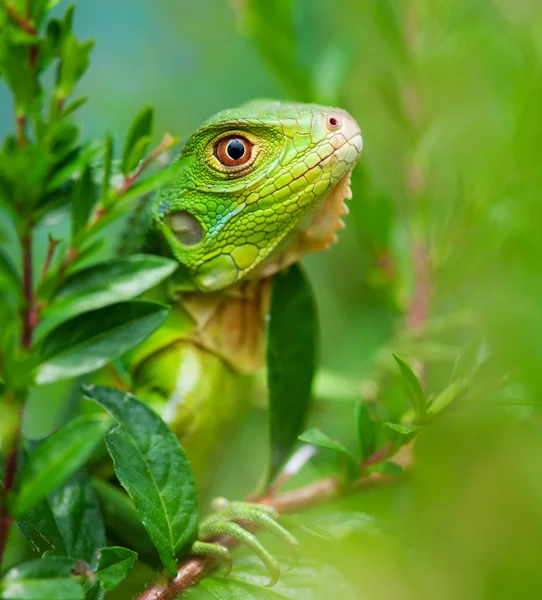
x=235, y=149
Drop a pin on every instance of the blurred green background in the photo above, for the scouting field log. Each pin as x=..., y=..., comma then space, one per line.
x=440, y=260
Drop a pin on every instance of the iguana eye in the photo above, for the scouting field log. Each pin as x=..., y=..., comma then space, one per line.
x=186, y=227
x=233, y=151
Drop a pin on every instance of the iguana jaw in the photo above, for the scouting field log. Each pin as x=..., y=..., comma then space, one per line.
x=319, y=234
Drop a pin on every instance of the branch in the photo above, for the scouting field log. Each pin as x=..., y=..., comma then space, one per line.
x=300, y=499
x=6, y=519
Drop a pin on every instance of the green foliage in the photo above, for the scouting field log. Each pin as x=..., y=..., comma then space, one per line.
x=439, y=266
x=291, y=348
x=146, y=454
x=113, y=566
x=56, y=458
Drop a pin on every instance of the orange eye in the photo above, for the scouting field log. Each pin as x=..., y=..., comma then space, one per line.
x=233, y=151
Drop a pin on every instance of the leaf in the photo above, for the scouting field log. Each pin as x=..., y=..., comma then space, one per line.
x=42, y=579
x=366, y=429
x=310, y=580
x=57, y=458
x=151, y=465
x=321, y=440
x=137, y=152
x=413, y=387
x=386, y=467
x=113, y=566
x=89, y=341
x=402, y=428
x=291, y=360
x=122, y=278
x=83, y=199
x=77, y=514
x=141, y=128
x=67, y=522
x=107, y=166
x=447, y=396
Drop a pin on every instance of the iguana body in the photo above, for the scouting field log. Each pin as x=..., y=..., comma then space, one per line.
x=257, y=188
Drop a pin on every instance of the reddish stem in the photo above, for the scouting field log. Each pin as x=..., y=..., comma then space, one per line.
x=22, y=22
x=10, y=471
x=48, y=259
x=166, y=142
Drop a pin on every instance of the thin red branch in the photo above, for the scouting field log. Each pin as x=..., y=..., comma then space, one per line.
x=6, y=519
x=129, y=180
x=24, y=23
x=48, y=259
x=300, y=499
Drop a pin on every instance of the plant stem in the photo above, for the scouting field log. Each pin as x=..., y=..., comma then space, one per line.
x=10, y=471
x=48, y=259
x=167, y=142
x=300, y=499
x=30, y=316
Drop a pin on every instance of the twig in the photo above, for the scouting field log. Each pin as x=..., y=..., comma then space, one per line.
x=10, y=470
x=48, y=259
x=167, y=141
x=21, y=21
x=297, y=500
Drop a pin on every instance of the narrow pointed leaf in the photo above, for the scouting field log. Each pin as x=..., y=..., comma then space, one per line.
x=366, y=429
x=413, y=387
x=89, y=341
x=292, y=334
x=321, y=440
x=104, y=284
x=153, y=468
x=113, y=566
x=141, y=128
x=57, y=458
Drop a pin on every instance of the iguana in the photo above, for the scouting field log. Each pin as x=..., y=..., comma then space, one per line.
x=255, y=189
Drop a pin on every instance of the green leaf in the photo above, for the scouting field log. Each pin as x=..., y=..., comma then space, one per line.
x=402, y=428
x=291, y=360
x=83, y=199
x=67, y=522
x=77, y=514
x=153, y=468
x=57, y=458
x=447, y=396
x=318, y=438
x=89, y=341
x=107, y=167
x=137, y=152
x=122, y=520
x=74, y=62
x=386, y=467
x=310, y=580
x=43, y=579
x=113, y=566
x=141, y=128
x=413, y=387
x=122, y=278
x=366, y=429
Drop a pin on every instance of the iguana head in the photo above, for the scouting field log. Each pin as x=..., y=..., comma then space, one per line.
x=258, y=186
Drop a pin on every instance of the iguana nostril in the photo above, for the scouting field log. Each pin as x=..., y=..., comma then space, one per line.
x=186, y=227
x=333, y=122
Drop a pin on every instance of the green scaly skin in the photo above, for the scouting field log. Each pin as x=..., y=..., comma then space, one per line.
x=229, y=226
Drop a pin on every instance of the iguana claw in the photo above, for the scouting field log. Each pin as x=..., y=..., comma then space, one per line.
x=225, y=521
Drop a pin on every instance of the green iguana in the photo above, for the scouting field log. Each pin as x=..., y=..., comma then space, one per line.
x=256, y=188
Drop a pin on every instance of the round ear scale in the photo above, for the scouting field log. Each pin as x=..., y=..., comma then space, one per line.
x=186, y=228
x=233, y=151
